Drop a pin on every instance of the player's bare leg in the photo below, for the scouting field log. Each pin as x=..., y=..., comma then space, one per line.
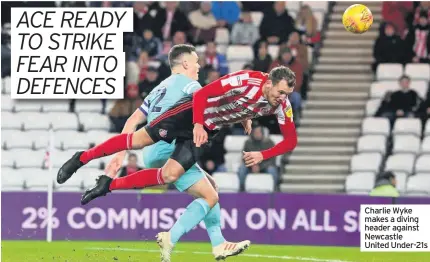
x=169, y=173
x=206, y=199
x=136, y=140
x=224, y=249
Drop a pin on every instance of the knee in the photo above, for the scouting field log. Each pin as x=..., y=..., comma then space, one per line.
x=170, y=175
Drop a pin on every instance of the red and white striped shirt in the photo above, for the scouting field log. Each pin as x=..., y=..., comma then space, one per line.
x=237, y=97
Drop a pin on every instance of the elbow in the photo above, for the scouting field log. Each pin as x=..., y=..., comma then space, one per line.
x=294, y=143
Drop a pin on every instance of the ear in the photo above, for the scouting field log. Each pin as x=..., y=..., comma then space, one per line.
x=185, y=63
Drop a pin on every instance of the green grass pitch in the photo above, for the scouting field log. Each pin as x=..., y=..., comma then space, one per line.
x=77, y=251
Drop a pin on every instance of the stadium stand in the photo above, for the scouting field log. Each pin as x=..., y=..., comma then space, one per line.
x=343, y=142
x=404, y=142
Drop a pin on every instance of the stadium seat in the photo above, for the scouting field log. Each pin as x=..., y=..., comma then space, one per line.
x=6, y=85
x=273, y=51
x=406, y=144
x=222, y=49
x=201, y=49
x=40, y=138
x=407, y=126
x=400, y=163
x=27, y=105
x=292, y=6
x=25, y=158
x=316, y=5
x=239, y=53
x=38, y=179
x=372, y=144
x=427, y=129
x=10, y=121
x=94, y=121
x=389, y=71
x=319, y=17
x=310, y=54
x=366, y=162
x=401, y=179
x=222, y=36
x=233, y=161
x=11, y=179
x=63, y=120
x=227, y=182
x=375, y=126
x=425, y=145
x=56, y=106
x=293, y=14
x=73, y=140
x=235, y=143
x=6, y=134
x=418, y=184
x=372, y=107
x=59, y=157
x=34, y=121
x=7, y=158
x=110, y=103
x=259, y=183
x=418, y=71
x=98, y=136
x=422, y=165
x=89, y=176
x=421, y=87
x=88, y=105
x=379, y=88
x=256, y=18
x=359, y=182
x=234, y=66
x=6, y=103
x=17, y=139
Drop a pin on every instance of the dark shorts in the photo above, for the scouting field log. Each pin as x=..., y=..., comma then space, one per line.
x=177, y=124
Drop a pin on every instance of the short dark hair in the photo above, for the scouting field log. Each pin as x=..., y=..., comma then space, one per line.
x=178, y=50
x=404, y=77
x=132, y=155
x=280, y=73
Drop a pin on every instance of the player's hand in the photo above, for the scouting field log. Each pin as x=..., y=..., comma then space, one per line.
x=115, y=164
x=247, y=125
x=200, y=135
x=252, y=158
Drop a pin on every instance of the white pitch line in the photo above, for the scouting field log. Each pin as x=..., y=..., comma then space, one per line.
x=311, y=259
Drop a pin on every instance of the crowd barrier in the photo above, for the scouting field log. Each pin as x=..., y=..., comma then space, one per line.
x=293, y=219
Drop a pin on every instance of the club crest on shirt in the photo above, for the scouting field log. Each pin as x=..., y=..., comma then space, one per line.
x=162, y=132
x=265, y=110
x=289, y=112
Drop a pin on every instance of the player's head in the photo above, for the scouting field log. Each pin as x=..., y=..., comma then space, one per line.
x=280, y=84
x=183, y=59
x=132, y=160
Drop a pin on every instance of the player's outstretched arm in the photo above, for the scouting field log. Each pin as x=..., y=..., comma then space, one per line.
x=130, y=126
x=288, y=130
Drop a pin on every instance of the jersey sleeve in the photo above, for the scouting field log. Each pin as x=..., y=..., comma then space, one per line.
x=219, y=88
x=145, y=106
x=284, y=115
x=191, y=87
